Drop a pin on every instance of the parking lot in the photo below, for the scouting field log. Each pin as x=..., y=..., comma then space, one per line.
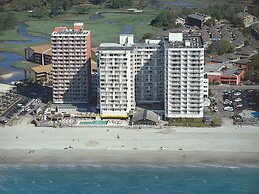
x=33, y=97
x=232, y=101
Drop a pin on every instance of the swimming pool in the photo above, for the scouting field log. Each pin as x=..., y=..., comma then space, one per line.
x=93, y=122
x=255, y=114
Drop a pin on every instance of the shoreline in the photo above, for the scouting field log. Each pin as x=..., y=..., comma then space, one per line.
x=129, y=158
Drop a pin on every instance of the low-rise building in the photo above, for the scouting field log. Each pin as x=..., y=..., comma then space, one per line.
x=8, y=96
x=179, y=20
x=246, y=52
x=39, y=54
x=247, y=18
x=197, y=19
x=224, y=73
x=144, y=117
x=41, y=73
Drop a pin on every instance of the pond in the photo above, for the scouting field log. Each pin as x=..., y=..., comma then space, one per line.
x=95, y=17
x=179, y=3
x=22, y=31
x=127, y=29
x=10, y=58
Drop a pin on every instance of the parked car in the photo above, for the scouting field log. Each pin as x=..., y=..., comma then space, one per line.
x=237, y=93
x=228, y=108
x=238, y=100
x=239, y=105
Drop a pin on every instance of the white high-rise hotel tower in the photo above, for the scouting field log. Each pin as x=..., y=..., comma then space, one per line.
x=184, y=76
x=168, y=71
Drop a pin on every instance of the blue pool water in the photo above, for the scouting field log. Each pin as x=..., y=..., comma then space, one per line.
x=93, y=122
x=255, y=114
x=113, y=179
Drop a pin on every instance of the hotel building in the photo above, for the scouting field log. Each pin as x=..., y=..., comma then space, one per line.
x=116, y=81
x=184, y=76
x=71, y=59
x=169, y=71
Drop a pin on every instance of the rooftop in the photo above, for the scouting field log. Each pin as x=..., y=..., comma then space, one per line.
x=42, y=68
x=242, y=15
x=113, y=46
x=78, y=29
x=144, y=114
x=222, y=69
x=43, y=49
x=243, y=61
x=246, y=51
x=188, y=42
x=199, y=16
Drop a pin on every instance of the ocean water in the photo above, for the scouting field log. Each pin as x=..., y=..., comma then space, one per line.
x=123, y=179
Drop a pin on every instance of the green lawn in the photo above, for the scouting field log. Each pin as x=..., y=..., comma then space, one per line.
x=24, y=65
x=11, y=35
x=106, y=29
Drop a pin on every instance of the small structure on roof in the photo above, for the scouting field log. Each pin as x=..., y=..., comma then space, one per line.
x=145, y=117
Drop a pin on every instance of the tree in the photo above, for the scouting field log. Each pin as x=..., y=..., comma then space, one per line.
x=147, y=36
x=40, y=13
x=19, y=5
x=7, y=20
x=56, y=8
x=120, y=3
x=165, y=19
x=247, y=42
x=220, y=47
x=210, y=22
x=237, y=21
x=82, y=9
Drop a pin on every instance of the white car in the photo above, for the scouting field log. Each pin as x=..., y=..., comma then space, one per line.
x=237, y=93
x=228, y=108
x=238, y=100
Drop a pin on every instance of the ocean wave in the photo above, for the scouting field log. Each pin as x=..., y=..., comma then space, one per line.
x=123, y=166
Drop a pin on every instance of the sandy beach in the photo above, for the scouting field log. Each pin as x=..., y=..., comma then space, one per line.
x=228, y=144
x=9, y=75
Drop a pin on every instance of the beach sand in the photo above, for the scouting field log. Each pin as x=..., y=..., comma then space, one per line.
x=228, y=144
x=9, y=75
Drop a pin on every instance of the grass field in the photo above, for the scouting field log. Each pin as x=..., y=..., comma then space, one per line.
x=106, y=29
x=24, y=65
x=11, y=35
